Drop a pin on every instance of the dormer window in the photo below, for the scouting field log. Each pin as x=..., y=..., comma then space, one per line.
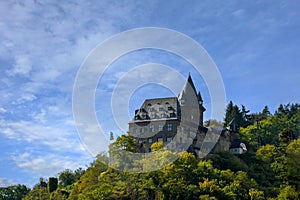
x=160, y=127
x=182, y=101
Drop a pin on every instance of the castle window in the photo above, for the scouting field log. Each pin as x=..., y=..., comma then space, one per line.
x=142, y=130
x=153, y=116
x=149, y=104
x=172, y=114
x=170, y=127
x=160, y=127
x=167, y=102
x=170, y=108
x=169, y=139
x=152, y=128
x=150, y=140
x=192, y=116
x=134, y=130
x=161, y=109
x=160, y=139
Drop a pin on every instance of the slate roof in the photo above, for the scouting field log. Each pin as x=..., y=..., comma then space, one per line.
x=158, y=108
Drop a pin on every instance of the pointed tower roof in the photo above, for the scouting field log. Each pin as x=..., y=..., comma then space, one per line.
x=188, y=86
x=188, y=93
x=190, y=81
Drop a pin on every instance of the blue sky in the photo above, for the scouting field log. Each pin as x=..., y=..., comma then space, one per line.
x=255, y=45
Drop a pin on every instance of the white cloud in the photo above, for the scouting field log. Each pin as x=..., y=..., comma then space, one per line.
x=27, y=97
x=22, y=66
x=40, y=116
x=4, y=182
x=238, y=13
x=51, y=136
x=49, y=164
x=44, y=44
x=3, y=110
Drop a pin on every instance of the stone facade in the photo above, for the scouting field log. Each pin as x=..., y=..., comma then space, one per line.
x=178, y=123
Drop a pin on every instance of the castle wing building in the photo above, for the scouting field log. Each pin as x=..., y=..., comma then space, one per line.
x=174, y=119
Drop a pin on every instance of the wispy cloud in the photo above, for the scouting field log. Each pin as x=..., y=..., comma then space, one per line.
x=44, y=43
x=6, y=182
x=52, y=136
x=22, y=66
x=48, y=165
x=3, y=110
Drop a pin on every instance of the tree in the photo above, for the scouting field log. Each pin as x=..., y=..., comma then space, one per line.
x=267, y=153
x=52, y=184
x=288, y=193
x=241, y=117
x=14, y=192
x=228, y=114
x=90, y=177
x=156, y=146
x=293, y=163
x=123, y=155
x=265, y=113
x=66, y=178
x=124, y=142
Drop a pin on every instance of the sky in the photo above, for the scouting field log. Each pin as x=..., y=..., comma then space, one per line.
x=254, y=44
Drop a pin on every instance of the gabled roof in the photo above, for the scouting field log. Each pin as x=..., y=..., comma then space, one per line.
x=158, y=108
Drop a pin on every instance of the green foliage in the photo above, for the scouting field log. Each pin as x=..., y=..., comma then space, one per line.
x=156, y=146
x=256, y=194
x=267, y=153
x=233, y=112
x=277, y=129
x=122, y=155
x=225, y=160
x=268, y=170
x=66, y=178
x=38, y=193
x=288, y=193
x=52, y=184
x=89, y=179
x=124, y=142
x=13, y=192
x=293, y=163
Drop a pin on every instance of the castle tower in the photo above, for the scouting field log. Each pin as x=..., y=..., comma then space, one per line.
x=191, y=103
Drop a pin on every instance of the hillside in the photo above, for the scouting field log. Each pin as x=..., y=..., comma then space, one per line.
x=270, y=169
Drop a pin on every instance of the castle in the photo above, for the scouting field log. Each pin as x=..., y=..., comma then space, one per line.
x=178, y=123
